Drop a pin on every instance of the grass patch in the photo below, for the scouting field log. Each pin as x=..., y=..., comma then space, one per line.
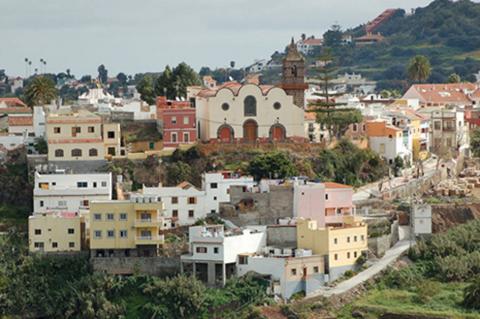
x=445, y=302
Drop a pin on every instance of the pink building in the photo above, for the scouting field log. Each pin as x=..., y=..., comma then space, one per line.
x=179, y=122
x=326, y=203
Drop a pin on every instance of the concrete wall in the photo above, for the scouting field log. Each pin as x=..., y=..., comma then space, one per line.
x=156, y=266
x=267, y=207
x=379, y=245
x=282, y=236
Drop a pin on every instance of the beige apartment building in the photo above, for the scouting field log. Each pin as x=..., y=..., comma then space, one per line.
x=55, y=232
x=81, y=135
x=126, y=227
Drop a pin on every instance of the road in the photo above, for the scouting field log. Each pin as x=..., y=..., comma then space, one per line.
x=389, y=258
x=365, y=192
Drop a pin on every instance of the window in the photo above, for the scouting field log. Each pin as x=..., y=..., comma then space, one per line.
x=123, y=233
x=201, y=250
x=225, y=106
x=437, y=125
x=362, y=237
x=76, y=130
x=151, y=145
x=335, y=241
x=335, y=256
x=192, y=200
x=59, y=153
x=76, y=152
x=348, y=255
x=97, y=216
x=38, y=231
x=348, y=239
x=355, y=127
x=111, y=151
x=92, y=152
x=38, y=245
x=104, y=184
x=250, y=106
x=186, y=120
x=71, y=244
x=110, y=216
x=84, y=203
x=293, y=271
x=71, y=231
x=82, y=184
x=382, y=148
x=111, y=134
x=94, y=184
x=174, y=200
x=191, y=213
x=186, y=137
x=355, y=254
x=97, y=234
x=214, y=197
x=277, y=105
x=243, y=260
x=110, y=233
x=91, y=129
x=62, y=203
x=42, y=203
x=215, y=250
x=213, y=185
x=354, y=238
x=315, y=269
x=174, y=120
x=56, y=130
x=123, y=216
x=326, y=196
x=175, y=213
x=54, y=245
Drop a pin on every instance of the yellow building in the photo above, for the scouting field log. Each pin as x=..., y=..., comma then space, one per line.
x=126, y=227
x=54, y=232
x=341, y=245
x=81, y=135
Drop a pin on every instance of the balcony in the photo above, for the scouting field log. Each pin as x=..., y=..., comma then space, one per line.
x=149, y=240
x=147, y=222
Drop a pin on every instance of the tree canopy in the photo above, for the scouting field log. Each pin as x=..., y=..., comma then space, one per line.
x=40, y=91
x=419, y=68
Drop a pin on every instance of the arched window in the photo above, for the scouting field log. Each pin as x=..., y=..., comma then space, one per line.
x=277, y=105
x=225, y=106
x=59, y=153
x=250, y=106
x=92, y=152
x=76, y=152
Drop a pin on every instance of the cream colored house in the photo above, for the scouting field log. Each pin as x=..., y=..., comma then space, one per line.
x=126, y=227
x=341, y=245
x=54, y=232
x=82, y=136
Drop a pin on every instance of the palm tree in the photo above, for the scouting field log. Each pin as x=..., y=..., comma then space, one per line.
x=40, y=91
x=419, y=68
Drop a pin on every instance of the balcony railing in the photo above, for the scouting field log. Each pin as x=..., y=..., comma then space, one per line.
x=149, y=239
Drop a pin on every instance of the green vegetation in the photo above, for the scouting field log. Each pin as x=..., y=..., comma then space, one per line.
x=49, y=286
x=419, y=68
x=475, y=142
x=443, y=281
x=348, y=164
x=272, y=165
x=41, y=90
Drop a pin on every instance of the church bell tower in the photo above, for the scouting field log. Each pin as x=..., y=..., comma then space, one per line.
x=293, y=76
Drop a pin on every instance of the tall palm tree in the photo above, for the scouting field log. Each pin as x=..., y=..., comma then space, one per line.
x=419, y=68
x=40, y=91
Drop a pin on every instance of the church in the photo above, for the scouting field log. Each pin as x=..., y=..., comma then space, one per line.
x=234, y=112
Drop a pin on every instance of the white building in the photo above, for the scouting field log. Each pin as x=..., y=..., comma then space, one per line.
x=20, y=124
x=290, y=270
x=217, y=188
x=39, y=121
x=140, y=109
x=257, y=66
x=184, y=203
x=307, y=46
x=422, y=219
x=213, y=251
x=387, y=141
x=69, y=192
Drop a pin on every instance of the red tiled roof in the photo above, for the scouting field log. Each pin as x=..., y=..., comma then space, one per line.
x=20, y=121
x=445, y=93
x=313, y=41
x=12, y=101
x=335, y=185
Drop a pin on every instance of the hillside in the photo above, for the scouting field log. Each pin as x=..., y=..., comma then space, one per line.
x=447, y=32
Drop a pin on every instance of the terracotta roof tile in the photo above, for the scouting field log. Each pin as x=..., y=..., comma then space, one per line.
x=20, y=121
x=336, y=185
x=12, y=101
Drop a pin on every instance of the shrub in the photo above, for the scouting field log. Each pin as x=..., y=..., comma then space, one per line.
x=471, y=294
x=426, y=290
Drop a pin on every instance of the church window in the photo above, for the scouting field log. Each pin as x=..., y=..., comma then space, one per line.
x=277, y=105
x=250, y=106
x=225, y=106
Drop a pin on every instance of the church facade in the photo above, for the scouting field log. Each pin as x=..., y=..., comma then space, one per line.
x=235, y=112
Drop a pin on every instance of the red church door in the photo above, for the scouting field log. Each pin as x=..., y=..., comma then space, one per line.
x=225, y=134
x=250, y=131
x=277, y=133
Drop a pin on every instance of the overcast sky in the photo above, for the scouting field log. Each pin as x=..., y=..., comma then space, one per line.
x=144, y=35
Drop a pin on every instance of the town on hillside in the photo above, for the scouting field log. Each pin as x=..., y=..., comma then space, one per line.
x=307, y=185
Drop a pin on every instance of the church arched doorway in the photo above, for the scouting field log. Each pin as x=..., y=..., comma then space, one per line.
x=250, y=131
x=225, y=133
x=277, y=133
